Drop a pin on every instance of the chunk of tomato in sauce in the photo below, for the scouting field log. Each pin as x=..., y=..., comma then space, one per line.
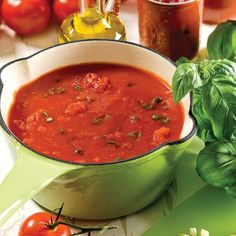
x=95, y=83
x=74, y=108
x=161, y=135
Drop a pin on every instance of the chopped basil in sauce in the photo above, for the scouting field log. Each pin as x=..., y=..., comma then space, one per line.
x=161, y=118
x=130, y=84
x=57, y=90
x=135, y=134
x=165, y=120
x=156, y=117
x=100, y=119
x=113, y=143
x=152, y=104
x=77, y=87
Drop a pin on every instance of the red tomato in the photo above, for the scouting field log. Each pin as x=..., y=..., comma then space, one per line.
x=0, y=12
x=63, y=8
x=38, y=224
x=26, y=17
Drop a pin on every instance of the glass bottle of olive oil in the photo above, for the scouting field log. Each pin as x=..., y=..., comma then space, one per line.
x=96, y=19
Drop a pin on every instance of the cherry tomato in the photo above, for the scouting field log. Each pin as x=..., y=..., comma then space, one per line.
x=26, y=17
x=63, y=8
x=39, y=224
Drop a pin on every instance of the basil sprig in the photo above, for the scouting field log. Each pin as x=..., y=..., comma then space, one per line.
x=213, y=85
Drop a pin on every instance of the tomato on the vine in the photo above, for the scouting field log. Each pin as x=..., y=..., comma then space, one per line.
x=63, y=8
x=46, y=224
x=39, y=224
x=26, y=17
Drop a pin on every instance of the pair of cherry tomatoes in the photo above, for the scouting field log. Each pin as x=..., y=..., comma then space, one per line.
x=28, y=17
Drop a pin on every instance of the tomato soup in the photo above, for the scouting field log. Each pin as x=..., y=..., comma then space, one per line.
x=95, y=113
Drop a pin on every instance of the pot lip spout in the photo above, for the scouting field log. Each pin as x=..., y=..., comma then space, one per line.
x=4, y=126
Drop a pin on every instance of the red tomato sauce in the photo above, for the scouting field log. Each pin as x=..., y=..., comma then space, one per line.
x=171, y=29
x=217, y=11
x=95, y=113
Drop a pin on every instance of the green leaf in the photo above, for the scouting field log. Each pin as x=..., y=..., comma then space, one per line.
x=216, y=163
x=222, y=41
x=233, y=57
x=227, y=46
x=224, y=66
x=204, y=125
x=206, y=135
x=209, y=68
x=220, y=106
x=182, y=60
x=215, y=41
x=185, y=79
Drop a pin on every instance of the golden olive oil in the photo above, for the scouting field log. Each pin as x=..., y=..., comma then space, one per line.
x=92, y=24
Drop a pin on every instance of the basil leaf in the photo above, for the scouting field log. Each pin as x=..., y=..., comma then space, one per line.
x=185, y=79
x=229, y=41
x=208, y=68
x=204, y=125
x=182, y=60
x=216, y=163
x=215, y=41
x=224, y=66
x=220, y=106
x=222, y=41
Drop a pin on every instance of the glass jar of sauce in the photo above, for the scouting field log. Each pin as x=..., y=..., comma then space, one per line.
x=217, y=11
x=171, y=27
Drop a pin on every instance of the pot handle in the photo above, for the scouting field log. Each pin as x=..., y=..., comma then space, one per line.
x=28, y=176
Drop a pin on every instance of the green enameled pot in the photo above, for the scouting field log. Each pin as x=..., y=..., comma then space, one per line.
x=89, y=191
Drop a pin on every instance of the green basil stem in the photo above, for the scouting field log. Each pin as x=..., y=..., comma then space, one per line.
x=83, y=229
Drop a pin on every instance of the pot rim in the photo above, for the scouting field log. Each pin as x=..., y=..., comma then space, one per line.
x=9, y=132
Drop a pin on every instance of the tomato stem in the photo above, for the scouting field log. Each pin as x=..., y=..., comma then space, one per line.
x=54, y=224
x=59, y=212
x=83, y=229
